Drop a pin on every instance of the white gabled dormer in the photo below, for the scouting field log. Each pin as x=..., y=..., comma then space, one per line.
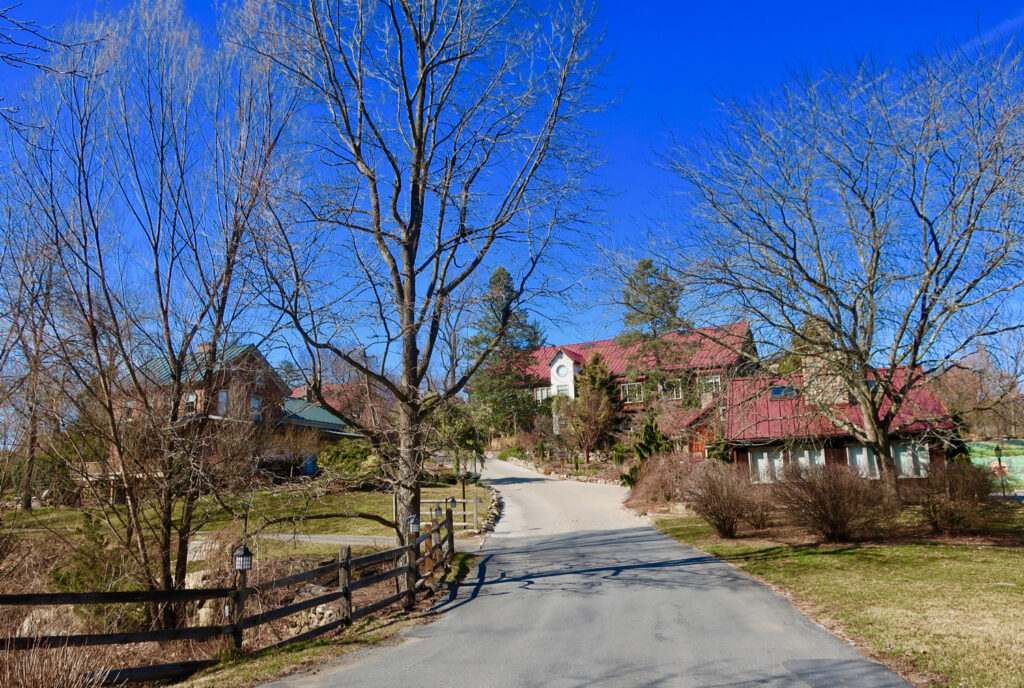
x=563, y=372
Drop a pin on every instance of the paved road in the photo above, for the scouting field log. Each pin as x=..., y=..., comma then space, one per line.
x=571, y=590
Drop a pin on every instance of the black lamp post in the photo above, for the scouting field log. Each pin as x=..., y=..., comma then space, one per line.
x=462, y=477
x=1002, y=471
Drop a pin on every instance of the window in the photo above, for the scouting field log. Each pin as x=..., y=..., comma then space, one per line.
x=561, y=370
x=541, y=393
x=709, y=383
x=562, y=390
x=190, y=403
x=807, y=457
x=673, y=389
x=783, y=392
x=129, y=409
x=222, y=402
x=631, y=392
x=766, y=466
x=257, y=407
x=911, y=460
x=863, y=459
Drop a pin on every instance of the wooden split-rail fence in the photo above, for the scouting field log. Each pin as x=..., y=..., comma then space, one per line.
x=422, y=564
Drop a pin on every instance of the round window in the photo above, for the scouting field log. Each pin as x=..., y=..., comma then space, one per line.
x=561, y=371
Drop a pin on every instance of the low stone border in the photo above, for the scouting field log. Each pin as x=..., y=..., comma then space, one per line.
x=561, y=476
x=494, y=512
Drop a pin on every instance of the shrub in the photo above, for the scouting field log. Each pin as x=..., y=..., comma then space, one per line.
x=831, y=500
x=760, y=507
x=62, y=667
x=631, y=476
x=618, y=454
x=719, y=494
x=662, y=478
x=514, y=452
x=49, y=472
x=541, y=451
x=955, y=500
x=351, y=459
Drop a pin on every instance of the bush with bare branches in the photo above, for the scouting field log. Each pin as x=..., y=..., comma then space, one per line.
x=831, y=500
x=662, y=478
x=720, y=495
x=955, y=500
x=62, y=667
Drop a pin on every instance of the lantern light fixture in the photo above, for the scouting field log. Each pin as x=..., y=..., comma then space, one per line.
x=243, y=558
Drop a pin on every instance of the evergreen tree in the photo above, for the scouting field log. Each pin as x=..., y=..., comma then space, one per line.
x=500, y=389
x=650, y=298
x=651, y=301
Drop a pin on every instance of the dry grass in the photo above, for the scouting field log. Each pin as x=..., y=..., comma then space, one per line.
x=65, y=667
x=942, y=613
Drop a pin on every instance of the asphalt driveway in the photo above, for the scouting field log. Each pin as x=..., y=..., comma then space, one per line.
x=572, y=590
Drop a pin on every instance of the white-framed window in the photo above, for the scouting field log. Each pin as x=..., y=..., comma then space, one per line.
x=766, y=466
x=911, y=460
x=631, y=392
x=863, y=459
x=562, y=390
x=805, y=457
x=256, y=402
x=129, y=409
x=222, y=402
x=561, y=370
x=673, y=389
x=190, y=403
x=709, y=383
x=541, y=393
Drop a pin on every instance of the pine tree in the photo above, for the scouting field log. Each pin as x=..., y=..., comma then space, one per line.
x=500, y=390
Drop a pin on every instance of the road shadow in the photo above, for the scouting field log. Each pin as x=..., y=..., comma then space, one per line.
x=593, y=563
x=513, y=480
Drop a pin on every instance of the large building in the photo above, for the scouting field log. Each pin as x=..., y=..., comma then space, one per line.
x=711, y=389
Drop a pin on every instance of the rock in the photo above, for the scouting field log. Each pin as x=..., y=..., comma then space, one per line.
x=55, y=620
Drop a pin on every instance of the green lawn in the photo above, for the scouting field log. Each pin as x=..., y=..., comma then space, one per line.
x=950, y=612
x=273, y=504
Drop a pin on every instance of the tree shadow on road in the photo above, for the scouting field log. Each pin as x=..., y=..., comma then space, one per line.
x=595, y=562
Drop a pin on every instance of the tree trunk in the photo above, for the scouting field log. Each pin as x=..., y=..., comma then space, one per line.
x=888, y=475
x=408, y=488
x=30, y=459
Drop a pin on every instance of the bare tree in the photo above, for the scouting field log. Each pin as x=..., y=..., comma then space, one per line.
x=146, y=179
x=866, y=220
x=452, y=138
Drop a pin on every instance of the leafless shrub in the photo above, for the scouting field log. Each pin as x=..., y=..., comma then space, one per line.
x=955, y=500
x=662, y=478
x=720, y=495
x=64, y=667
x=760, y=507
x=830, y=500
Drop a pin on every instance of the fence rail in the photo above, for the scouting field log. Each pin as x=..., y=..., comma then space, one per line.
x=418, y=571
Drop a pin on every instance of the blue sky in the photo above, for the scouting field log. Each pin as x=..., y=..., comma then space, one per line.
x=668, y=60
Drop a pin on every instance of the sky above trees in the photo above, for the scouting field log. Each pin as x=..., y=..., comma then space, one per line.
x=667, y=61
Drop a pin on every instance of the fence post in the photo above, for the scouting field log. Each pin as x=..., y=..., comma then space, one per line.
x=476, y=522
x=237, y=610
x=412, y=575
x=344, y=580
x=428, y=553
x=449, y=518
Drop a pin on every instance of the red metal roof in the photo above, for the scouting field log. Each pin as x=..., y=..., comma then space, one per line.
x=707, y=348
x=752, y=415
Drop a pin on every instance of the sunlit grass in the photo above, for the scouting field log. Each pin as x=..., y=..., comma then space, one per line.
x=952, y=610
